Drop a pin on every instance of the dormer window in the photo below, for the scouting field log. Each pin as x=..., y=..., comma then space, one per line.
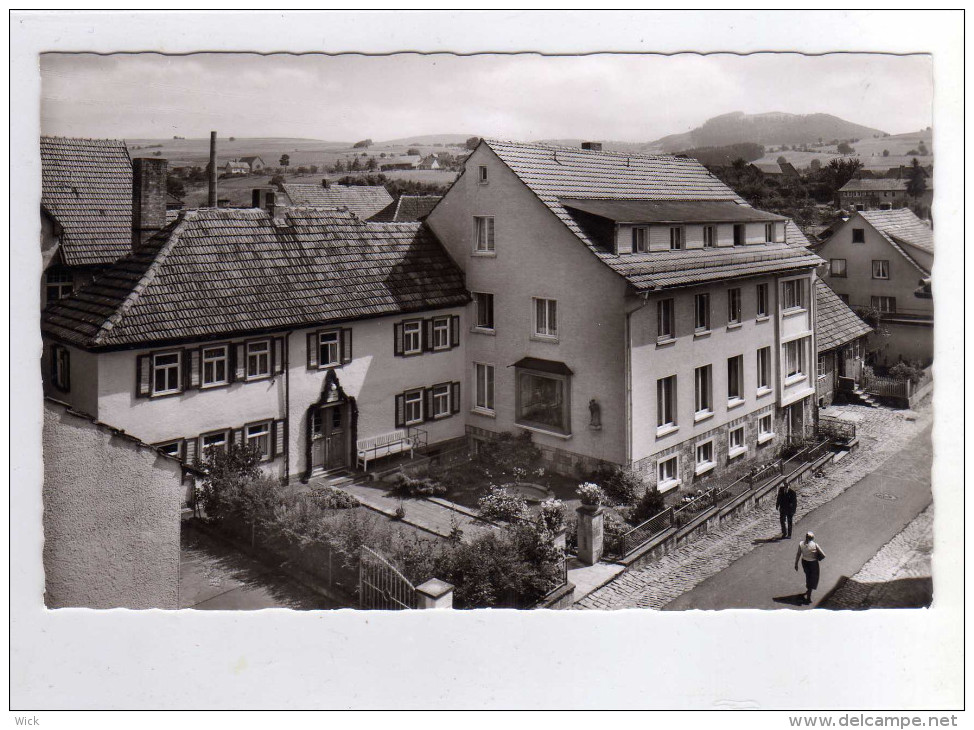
x=676, y=238
x=769, y=232
x=639, y=242
x=709, y=236
x=739, y=234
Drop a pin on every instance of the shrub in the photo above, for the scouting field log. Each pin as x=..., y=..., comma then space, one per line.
x=502, y=504
x=622, y=486
x=226, y=472
x=912, y=371
x=331, y=498
x=614, y=530
x=407, y=486
x=552, y=514
x=650, y=505
x=590, y=494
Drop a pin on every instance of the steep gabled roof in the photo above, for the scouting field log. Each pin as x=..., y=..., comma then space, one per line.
x=557, y=173
x=86, y=186
x=220, y=272
x=874, y=184
x=362, y=200
x=902, y=226
x=835, y=323
x=407, y=208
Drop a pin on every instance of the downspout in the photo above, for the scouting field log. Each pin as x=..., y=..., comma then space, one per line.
x=629, y=314
x=287, y=407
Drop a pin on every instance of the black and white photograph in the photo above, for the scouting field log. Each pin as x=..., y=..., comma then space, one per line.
x=576, y=338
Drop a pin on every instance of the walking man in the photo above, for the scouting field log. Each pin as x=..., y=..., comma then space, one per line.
x=810, y=554
x=786, y=502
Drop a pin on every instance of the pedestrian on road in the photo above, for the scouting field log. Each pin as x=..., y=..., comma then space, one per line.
x=786, y=502
x=810, y=555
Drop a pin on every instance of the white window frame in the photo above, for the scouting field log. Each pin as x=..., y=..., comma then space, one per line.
x=734, y=451
x=738, y=399
x=796, y=347
x=440, y=334
x=412, y=330
x=326, y=340
x=254, y=432
x=204, y=447
x=703, y=466
x=677, y=238
x=566, y=405
x=208, y=358
x=413, y=398
x=735, y=297
x=483, y=394
x=166, y=445
x=820, y=367
x=666, y=403
x=761, y=295
x=664, y=480
x=763, y=370
x=441, y=400
x=58, y=283
x=252, y=351
x=484, y=301
x=700, y=329
x=765, y=434
x=482, y=173
x=769, y=232
x=793, y=290
x=178, y=365
x=547, y=310
x=709, y=236
x=834, y=269
x=640, y=239
x=881, y=272
x=703, y=376
x=882, y=304
x=665, y=315
x=484, y=235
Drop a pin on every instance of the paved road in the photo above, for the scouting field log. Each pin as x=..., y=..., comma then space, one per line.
x=215, y=576
x=851, y=529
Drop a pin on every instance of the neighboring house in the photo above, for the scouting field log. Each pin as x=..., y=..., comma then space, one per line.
x=882, y=194
x=879, y=261
x=299, y=332
x=430, y=162
x=364, y=201
x=86, y=210
x=631, y=309
x=236, y=167
x=255, y=164
x=403, y=162
x=407, y=208
x=111, y=516
x=840, y=340
x=776, y=169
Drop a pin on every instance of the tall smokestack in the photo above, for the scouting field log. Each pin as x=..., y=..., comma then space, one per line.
x=211, y=198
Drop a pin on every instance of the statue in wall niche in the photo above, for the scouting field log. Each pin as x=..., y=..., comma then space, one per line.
x=595, y=415
x=332, y=395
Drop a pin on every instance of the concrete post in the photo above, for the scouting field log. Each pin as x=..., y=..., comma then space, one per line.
x=591, y=533
x=561, y=538
x=434, y=593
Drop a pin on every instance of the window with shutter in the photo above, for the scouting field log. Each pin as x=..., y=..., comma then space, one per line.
x=190, y=449
x=455, y=398
x=427, y=404
x=194, y=368
x=278, y=356
x=143, y=376
x=455, y=331
x=400, y=410
x=397, y=348
x=280, y=438
x=346, y=346
x=427, y=335
x=214, y=366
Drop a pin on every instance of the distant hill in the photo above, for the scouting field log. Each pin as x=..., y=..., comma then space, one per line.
x=773, y=128
x=726, y=155
x=427, y=140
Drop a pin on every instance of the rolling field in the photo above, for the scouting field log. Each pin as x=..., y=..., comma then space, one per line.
x=870, y=151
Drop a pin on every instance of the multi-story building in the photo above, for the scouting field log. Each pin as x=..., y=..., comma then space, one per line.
x=879, y=261
x=629, y=308
x=299, y=331
x=883, y=194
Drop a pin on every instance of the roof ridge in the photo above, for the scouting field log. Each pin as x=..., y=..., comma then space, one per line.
x=605, y=153
x=115, y=319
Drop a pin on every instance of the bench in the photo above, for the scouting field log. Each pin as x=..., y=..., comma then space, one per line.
x=386, y=444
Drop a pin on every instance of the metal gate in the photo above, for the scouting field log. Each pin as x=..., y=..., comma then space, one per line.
x=381, y=586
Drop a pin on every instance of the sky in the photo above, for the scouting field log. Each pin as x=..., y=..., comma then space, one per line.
x=636, y=98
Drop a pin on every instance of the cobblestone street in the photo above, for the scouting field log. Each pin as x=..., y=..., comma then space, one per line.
x=882, y=433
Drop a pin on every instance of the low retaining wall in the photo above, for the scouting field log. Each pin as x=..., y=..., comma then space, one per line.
x=560, y=598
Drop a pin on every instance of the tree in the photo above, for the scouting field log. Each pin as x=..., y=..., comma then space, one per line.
x=313, y=169
x=371, y=164
x=885, y=153
x=278, y=181
x=917, y=184
x=413, y=151
x=781, y=159
x=923, y=150
x=339, y=166
x=845, y=149
x=356, y=165
x=362, y=143
x=174, y=187
x=815, y=165
x=302, y=170
x=472, y=142
x=233, y=139
x=285, y=161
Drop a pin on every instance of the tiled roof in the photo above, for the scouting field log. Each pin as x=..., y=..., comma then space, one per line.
x=250, y=160
x=554, y=173
x=362, y=200
x=86, y=186
x=669, y=211
x=794, y=235
x=835, y=323
x=407, y=208
x=903, y=226
x=220, y=272
x=872, y=184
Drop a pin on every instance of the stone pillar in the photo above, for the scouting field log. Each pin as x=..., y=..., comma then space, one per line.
x=561, y=539
x=591, y=533
x=434, y=593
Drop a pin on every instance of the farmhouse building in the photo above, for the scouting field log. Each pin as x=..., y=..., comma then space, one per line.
x=363, y=201
x=879, y=261
x=302, y=333
x=629, y=308
x=840, y=341
x=236, y=167
x=882, y=194
x=255, y=164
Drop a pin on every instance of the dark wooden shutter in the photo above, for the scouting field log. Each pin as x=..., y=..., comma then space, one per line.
x=190, y=449
x=240, y=364
x=397, y=345
x=143, y=376
x=427, y=404
x=427, y=335
x=237, y=437
x=277, y=355
x=455, y=397
x=490, y=233
x=193, y=368
x=346, y=345
x=455, y=330
x=312, y=351
x=278, y=439
x=400, y=410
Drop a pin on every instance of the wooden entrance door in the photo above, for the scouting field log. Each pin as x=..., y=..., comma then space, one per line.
x=329, y=437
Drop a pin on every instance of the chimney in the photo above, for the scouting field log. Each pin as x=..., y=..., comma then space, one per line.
x=148, y=198
x=592, y=146
x=266, y=199
x=211, y=200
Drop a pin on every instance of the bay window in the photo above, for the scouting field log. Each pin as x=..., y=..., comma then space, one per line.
x=543, y=401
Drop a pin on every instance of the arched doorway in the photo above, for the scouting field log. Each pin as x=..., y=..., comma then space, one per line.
x=331, y=428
